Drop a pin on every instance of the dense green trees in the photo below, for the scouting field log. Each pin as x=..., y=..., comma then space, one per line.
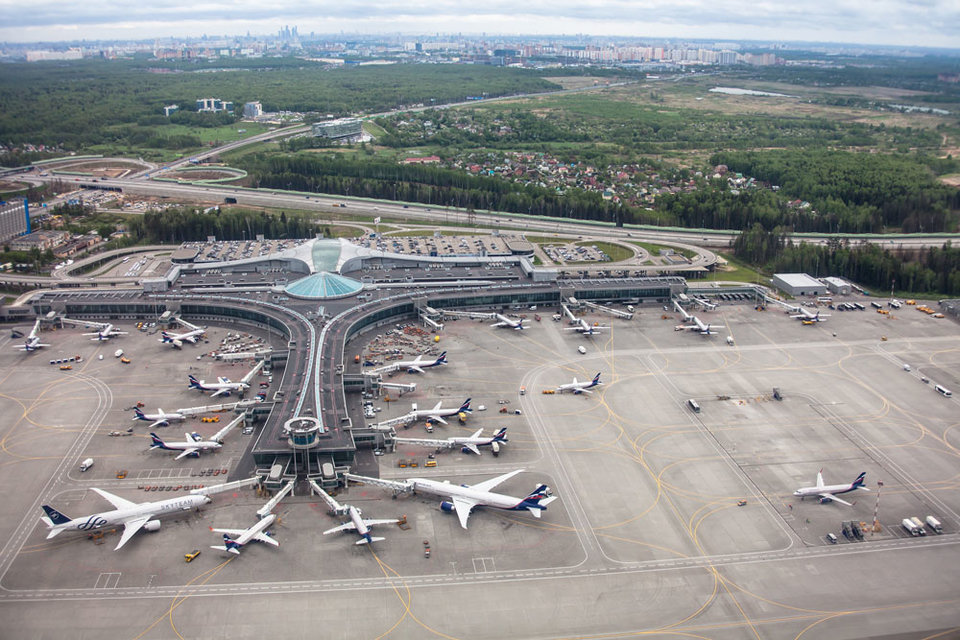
x=851, y=192
x=184, y=224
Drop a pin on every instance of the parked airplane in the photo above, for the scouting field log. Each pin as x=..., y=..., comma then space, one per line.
x=235, y=539
x=357, y=522
x=699, y=326
x=437, y=414
x=242, y=536
x=32, y=343
x=467, y=444
x=808, y=317
x=506, y=322
x=828, y=493
x=222, y=386
x=105, y=330
x=194, y=445
x=419, y=364
x=463, y=498
x=132, y=515
x=585, y=328
x=577, y=387
x=192, y=335
x=160, y=418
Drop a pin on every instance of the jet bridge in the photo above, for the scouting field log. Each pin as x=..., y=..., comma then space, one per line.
x=263, y=511
x=214, y=408
x=409, y=387
x=626, y=315
x=394, y=422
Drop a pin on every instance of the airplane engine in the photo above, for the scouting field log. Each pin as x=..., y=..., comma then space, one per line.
x=825, y=500
x=152, y=525
x=447, y=507
x=465, y=450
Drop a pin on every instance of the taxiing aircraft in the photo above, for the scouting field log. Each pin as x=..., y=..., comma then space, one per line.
x=132, y=515
x=504, y=321
x=419, y=364
x=222, y=387
x=463, y=498
x=577, y=387
x=192, y=335
x=828, y=493
x=467, y=444
x=161, y=419
x=32, y=343
x=808, y=317
x=437, y=414
x=357, y=522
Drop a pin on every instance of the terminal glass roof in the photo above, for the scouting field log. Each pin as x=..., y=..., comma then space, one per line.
x=323, y=285
x=326, y=253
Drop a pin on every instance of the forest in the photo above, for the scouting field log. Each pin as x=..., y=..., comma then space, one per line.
x=925, y=271
x=852, y=192
x=185, y=224
x=78, y=104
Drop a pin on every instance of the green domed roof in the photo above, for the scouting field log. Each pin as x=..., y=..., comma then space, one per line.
x=323, y=285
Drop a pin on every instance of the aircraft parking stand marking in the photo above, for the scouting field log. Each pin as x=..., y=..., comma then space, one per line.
x=110, y=580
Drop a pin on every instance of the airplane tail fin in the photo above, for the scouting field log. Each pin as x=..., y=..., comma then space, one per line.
x=501, y=435
x=138, y=415
x=465, y=407
x=165, y=337
x=540, y=496
x=860, y=481
x=194, y=383
x=442, y=359
x=156, y=442
x=596, y=378
x=54, y=516
x=229, y=545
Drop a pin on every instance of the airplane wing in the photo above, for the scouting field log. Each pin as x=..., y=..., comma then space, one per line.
x=187, y=452
x=438, y=419
x=130, y=527
x=424, y=442
x=472, y=447
x=819, y=479
x=487, y=485
x=349, y=526
x=374, y=522
x=262, y=537
x=116, y=501
x=158, y=423
x=233, y=533
x=586, y=391
x=463, y=507
x=219, y=392
x=412, y=367
x=830, y=496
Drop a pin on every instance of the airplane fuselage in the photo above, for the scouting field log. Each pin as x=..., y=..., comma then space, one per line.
x=832, y=489
x=119, y=516
x=259, y=527
x=482, y=498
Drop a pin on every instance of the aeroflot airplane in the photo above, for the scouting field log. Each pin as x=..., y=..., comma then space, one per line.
x=580, y=387
x=504, y=321
x=419, y=364
x=828, y=493
x=32, y=342
x=221, y=387
x=439, y=414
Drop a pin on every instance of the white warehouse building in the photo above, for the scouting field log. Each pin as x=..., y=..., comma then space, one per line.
x=798, y=284
x=838, y=286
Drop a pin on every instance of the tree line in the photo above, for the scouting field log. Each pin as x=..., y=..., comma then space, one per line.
x=177, y=225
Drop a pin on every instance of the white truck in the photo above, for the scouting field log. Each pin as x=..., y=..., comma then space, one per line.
x=86, y=464
x=919, y=525
x=934, y=524
x=911, y=528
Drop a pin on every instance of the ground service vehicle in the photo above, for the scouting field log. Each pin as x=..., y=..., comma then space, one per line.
x=911, y=528
x=942, y=390
x=693, y=405
x=934, y=524
x=919, y=525
x=86, y=464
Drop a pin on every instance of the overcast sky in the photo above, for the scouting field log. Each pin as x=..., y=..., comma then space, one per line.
x=934, y=23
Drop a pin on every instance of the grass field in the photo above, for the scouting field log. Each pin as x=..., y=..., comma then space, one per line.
x=615, y=251
x=736, y=271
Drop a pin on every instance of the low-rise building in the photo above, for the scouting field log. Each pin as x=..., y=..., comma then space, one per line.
x=798, y=284
x=838, y=286
x=213, y=105
x=40, y=240
x=338, y=129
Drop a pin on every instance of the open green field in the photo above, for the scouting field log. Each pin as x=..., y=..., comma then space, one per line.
x=615, y=251
x=736, y=271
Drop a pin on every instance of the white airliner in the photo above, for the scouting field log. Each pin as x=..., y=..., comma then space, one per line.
x=419, y=364
x=32, y=343
x=241, y=537
x=463, y=498
x=467, y=444
x=192, y=336
x=194, y=445
x=437, y=414
x=508, y=323
x=580, y=387
x=357, y=522
x=161, y=419
x=105, y=330
x=132, y=515
x=806, y=316
x=235, y=539
x=828, y=493
x=585, y=328
x=222, y=386
x=699, y=326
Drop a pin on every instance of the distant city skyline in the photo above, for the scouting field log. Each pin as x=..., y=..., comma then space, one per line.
x=921, y=23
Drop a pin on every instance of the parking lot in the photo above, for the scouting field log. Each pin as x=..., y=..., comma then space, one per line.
x=648, y=530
